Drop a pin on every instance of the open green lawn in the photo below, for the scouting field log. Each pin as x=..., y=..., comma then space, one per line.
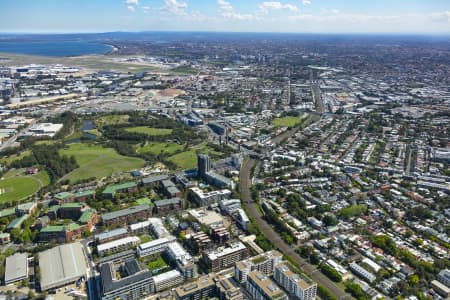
x=9, y=159
x=185, y=160
x=96, y=161
x=43, y=177
x=18, y=188
x=157, y=148
x=150, y=130
x=287, y=121
x=188, y=159
x=157, y=263
x=112, y=120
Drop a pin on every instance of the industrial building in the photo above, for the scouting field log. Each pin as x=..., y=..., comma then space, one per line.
x=16, y=268
x=62, y=265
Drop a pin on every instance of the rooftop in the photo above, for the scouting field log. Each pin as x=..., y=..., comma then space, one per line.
x=62, y=265
x=16, y=267
x=125, y=212
x=113, y=188
x=267, y=285
x=165, y=202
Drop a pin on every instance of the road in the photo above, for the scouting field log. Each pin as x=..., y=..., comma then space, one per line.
x=92, y=281
x=269, y=232
x=315, y=90
x=254, y=212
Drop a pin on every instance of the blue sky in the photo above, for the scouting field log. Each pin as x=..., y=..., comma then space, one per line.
x=324, y=16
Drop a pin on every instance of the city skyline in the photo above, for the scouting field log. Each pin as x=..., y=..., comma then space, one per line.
x=290, y=16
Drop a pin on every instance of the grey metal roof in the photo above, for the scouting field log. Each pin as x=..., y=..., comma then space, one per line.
x=153, y=179
x=110, y=284
x=125, y=212
x=16, y=267
x=62, y=265
x=165, y=202
x=110, y=234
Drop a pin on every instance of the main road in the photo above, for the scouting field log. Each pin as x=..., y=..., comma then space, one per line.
x=255, y=213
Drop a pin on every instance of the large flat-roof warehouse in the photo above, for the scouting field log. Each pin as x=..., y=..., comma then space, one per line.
x=16, y=268
x=62, y=265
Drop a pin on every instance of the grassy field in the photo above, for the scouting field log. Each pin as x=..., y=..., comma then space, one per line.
x=9, y=159
x=17, y=186
x=188, y=159
x=287, y=121
x=185, y=160
x=157, y=148
x=112, y=120
x=96, y=161
x=150, y=130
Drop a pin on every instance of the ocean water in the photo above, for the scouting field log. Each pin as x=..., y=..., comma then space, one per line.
x=56, y=48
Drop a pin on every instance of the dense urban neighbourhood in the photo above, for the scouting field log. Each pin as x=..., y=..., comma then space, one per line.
x=285, y=167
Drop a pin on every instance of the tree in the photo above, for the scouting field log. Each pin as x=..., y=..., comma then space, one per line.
x=355, y=290
x=413, y=279
x=331, y=273
x=314, y=258
x=329, y=220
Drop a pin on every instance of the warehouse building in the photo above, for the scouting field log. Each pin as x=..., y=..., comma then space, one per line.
x=62, y=265
x=16, y=268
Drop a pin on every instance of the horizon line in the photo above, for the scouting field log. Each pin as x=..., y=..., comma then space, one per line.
x=220, y=32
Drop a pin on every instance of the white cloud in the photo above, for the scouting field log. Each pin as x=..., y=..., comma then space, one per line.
x=225, y=5
x=303, y=17
x=175, y=7
x=227, y=11
x=132, y=2
x=275, y=5
x=306, y=2
x=131, y=8
x=441, y=17
x=145, y=9
x=335, y=16
x=236, y=16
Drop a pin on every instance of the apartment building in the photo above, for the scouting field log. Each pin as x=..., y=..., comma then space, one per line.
x=167, y=280
x=302, y=287
x=117, y=245
x=264, y=263
x=155, y=246
x=225, y=257
x=127, y=216
x=262, y=287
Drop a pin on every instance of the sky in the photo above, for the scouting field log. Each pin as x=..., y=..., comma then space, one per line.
x=303, y=16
